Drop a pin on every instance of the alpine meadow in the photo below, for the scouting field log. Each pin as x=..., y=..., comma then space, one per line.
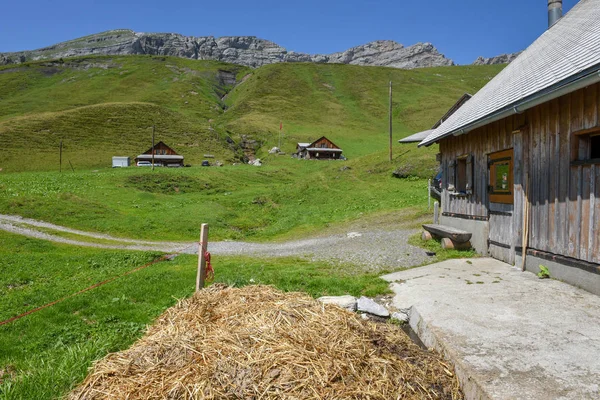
x=97, y=107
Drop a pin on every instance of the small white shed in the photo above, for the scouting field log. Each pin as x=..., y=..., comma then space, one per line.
x=119, y=162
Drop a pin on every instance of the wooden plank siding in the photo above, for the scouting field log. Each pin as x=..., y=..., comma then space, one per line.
x=564, y=198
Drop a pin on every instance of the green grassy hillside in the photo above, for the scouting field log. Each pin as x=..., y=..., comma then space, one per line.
x=347, y=103
x=105, y=106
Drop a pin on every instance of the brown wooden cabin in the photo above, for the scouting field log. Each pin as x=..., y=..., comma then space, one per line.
x=320, y=149
x=164, y=156
x=521, y=159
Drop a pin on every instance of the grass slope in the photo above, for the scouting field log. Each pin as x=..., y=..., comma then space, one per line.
x=239, y=202
x=104, y=106
x=347, y=103
x=44, y=355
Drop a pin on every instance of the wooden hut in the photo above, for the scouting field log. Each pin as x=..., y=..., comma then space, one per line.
x=320, y=149
x=163, y=156
x=521, y=159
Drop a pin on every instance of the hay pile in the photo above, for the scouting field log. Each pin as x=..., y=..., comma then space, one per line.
x=257, y=342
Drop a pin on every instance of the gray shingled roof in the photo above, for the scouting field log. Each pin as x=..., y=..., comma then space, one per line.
x=569, y=48
x=417, y=137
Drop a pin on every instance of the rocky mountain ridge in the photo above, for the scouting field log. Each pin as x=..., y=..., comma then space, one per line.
x=245, y=50
x=501, y=59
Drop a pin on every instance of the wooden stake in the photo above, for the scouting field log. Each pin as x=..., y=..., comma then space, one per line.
x=60, y=158
x=429, y=195
x=202, y=248
x=436, y=213
x=390, y=121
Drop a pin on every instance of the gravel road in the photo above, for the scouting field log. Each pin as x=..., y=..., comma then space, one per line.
x=372, y=250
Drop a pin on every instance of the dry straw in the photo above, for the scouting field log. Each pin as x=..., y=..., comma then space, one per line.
x=259, y=343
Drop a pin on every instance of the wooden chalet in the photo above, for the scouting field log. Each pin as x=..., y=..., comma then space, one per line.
x=320, y=149
x=164, y=156
x=521, y=159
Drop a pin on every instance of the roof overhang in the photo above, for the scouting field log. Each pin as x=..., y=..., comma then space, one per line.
x=324, y=150
x=573, y=83
x=417, y=137
x=165, y=157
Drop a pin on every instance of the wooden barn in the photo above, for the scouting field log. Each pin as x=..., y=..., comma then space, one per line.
x=164, y=156
x=320, y=149
x=521, y=159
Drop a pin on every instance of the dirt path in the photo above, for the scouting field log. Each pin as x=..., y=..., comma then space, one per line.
x=373, y=250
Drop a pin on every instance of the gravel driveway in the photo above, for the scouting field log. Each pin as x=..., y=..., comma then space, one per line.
x=372, y=250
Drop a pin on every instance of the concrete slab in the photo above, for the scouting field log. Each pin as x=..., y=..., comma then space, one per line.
x=509, y=334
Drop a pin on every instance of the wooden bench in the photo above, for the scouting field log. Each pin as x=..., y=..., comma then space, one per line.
x=451, y=238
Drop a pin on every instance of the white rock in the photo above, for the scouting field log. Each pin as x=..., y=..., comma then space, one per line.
x=353, y=235
x=367, y=305
x=348, y=302
x=400, y=316
x=275, y=150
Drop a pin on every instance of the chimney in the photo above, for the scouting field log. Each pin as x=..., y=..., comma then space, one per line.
x=554, y=11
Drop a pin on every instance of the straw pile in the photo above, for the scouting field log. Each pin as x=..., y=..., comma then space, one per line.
x=257, y=342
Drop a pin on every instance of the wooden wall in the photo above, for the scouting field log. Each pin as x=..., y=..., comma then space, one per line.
x=564, y=199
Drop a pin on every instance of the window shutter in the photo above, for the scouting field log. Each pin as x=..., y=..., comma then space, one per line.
x=470, y=173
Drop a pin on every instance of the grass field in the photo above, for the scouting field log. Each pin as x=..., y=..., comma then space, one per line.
x=45, y=354
x=105, y=106
x=283, y=199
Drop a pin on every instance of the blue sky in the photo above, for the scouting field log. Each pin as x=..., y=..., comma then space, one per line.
x=461, y=30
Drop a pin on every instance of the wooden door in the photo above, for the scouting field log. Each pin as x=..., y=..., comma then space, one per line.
x=501, y=200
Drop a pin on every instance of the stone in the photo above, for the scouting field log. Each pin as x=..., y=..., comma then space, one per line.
x=245, y=50
x=256, y=162
x=367, y=305
x=348, y=302
x=400, y=316
x=275, y=150
x=352, y=235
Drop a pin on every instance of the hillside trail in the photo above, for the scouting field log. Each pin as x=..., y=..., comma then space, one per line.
x=372, y=250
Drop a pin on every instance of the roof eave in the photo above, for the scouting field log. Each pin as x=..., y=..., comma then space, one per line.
x=571, y=84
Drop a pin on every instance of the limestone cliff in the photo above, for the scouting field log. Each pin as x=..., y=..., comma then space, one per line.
x=245, y=50
x=501, y=59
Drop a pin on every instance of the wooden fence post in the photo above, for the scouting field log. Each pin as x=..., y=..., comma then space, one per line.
x=429, y=195
x=436, y=213
x=202, y=248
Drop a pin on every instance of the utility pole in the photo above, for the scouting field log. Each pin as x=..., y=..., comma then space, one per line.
x=153, y=148
x=390, y=121
x=280, y=129
x=60, y=157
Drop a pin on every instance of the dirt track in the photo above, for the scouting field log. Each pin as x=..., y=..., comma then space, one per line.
x=373, y=250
